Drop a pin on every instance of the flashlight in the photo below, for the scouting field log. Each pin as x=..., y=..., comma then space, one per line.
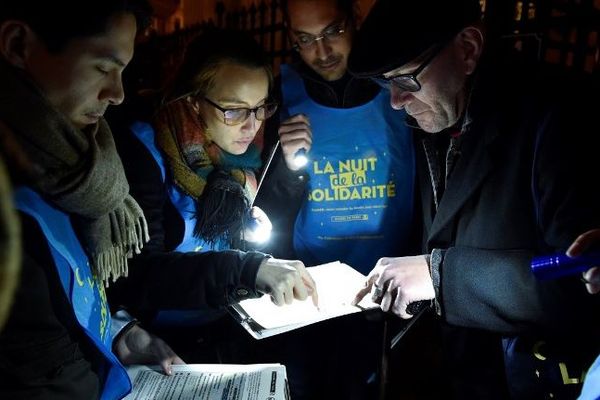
x=300, y=158
x=258, y=233
x=559, y=265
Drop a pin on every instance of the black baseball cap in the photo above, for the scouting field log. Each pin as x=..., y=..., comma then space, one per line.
x=398, y=31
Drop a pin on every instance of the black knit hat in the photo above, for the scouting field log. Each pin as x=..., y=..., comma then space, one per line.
x=398, y=31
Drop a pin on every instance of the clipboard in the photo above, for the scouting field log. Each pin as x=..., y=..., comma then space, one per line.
x=337, y=284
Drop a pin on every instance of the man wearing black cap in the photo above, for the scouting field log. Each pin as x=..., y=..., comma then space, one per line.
x=502, y=163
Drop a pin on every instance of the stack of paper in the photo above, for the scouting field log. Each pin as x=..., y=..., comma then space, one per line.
x=209, y=382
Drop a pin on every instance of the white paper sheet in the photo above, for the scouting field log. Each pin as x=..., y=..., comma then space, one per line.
x=337, y=285
x=209, y=382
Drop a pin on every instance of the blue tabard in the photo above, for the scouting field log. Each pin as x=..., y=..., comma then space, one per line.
x=184, y=204
x=362, y=170
x=85, y=293
x=591, y=386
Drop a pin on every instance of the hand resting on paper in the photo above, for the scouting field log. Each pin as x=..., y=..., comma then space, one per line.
x=138, y=346
x=398, y=282
x=285, y=280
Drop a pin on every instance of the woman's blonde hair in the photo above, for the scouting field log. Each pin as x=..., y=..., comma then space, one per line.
x=206, y=53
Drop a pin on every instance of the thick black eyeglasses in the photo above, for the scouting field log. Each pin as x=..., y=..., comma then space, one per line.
x=236, y=116
x=306, y=41
x=408, y=82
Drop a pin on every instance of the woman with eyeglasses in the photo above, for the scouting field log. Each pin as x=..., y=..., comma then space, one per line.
x=210, y=130
x=193, y=167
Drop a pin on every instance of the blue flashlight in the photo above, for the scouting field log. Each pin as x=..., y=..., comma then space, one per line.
x=559, y=265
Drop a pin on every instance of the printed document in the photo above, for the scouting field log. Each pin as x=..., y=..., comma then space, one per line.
x=209, y=382
x=337, y=285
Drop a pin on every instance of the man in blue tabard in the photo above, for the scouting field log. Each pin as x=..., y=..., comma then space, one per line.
x=352, y=202
x=60, y=68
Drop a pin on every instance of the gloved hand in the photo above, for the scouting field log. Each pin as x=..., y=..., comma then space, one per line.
x=285, y=280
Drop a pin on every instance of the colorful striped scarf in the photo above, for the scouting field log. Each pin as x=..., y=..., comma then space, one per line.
x=196, y=164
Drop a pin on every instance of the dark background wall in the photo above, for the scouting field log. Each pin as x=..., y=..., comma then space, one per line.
x=562, y=32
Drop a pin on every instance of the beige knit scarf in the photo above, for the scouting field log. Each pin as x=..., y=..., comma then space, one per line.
x=78, y=171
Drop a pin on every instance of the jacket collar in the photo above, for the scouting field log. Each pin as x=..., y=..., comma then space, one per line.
x=468, y=175
x=482, y=126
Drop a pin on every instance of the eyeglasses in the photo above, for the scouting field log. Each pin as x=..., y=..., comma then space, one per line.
x=236, y=116
x=408, y=82
x=305, y=41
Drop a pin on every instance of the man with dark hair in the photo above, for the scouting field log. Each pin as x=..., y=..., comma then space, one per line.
x=58, y=75
x=362, y=164
x=504, y=169
x=354, y=200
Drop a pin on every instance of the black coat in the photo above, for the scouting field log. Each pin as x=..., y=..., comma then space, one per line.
x=525, y=183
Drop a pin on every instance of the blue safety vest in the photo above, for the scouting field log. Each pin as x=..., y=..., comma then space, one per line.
x=359, y=206
x=84, y=292
x=591, y=386
x=184, y=204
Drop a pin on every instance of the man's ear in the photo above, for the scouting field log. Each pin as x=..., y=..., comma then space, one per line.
x=16, y=40
x=470, y=41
